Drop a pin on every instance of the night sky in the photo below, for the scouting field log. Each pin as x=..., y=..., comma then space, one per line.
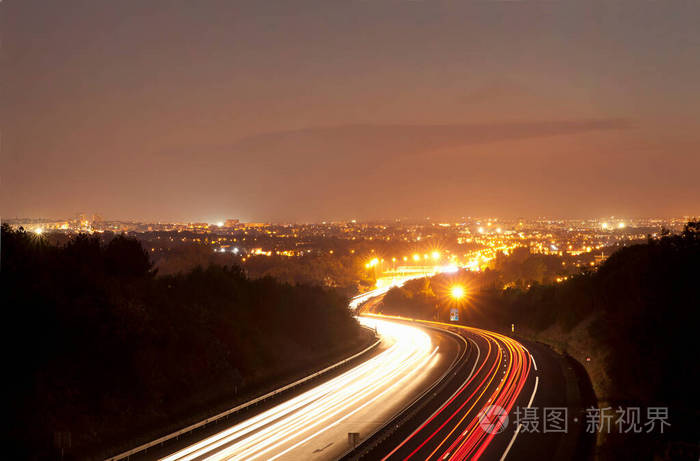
x=309, y=111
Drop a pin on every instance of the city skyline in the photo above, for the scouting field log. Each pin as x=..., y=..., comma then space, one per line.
x=451, y=220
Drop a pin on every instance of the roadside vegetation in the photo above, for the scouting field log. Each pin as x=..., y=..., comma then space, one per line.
x=631, y=323
x=102, y=350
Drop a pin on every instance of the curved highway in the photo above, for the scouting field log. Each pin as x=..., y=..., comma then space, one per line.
x=316, y=423
x=464, y=425
x=434, y=391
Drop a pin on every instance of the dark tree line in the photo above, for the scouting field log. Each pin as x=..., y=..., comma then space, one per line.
x=103, y=349
x=638, y=315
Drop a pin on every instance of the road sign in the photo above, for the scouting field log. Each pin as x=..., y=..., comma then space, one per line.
x=353, y=438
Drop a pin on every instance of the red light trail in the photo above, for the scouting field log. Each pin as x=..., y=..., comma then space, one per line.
x=464, y=425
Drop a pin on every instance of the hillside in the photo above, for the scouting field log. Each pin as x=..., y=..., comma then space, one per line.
x=105, y=350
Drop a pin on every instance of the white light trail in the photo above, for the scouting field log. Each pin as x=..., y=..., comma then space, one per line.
x=284, y=427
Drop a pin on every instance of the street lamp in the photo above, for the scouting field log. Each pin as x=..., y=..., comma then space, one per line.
x=457, y=292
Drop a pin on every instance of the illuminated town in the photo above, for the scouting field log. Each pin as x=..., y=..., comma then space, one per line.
x=389, y=252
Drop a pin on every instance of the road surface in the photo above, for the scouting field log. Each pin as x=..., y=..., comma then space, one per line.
x=436, y=391
x=479, y=412
x=462, y=422
x=316, y=423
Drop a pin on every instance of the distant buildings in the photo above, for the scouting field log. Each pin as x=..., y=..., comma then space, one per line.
x=474, y=243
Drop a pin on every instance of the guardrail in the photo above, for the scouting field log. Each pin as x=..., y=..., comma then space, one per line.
x=240, y=407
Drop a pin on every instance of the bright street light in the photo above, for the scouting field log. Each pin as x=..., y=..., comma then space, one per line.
x=457, y=292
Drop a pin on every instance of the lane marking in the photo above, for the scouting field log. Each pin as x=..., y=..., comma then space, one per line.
x=533, y=361
x=517, y=430
x=445, y=404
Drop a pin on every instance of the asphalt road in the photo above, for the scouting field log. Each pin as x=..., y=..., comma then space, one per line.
x=316, y=423
x=462, y=419
x=493, y=407
x=435, y=391
x=562, y=383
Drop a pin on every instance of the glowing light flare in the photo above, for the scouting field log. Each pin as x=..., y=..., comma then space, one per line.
x=372, y=263
x=457, y=292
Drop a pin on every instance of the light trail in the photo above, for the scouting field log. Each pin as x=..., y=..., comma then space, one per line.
x=520, y=426
x=281, y=429
x=456, y=430
x=389, y=282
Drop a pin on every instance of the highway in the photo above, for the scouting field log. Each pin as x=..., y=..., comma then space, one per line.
x=316, y=423
x=472, y=414
x=465, y=418
x=435, y=391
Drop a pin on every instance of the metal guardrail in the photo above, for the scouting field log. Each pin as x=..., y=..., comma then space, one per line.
x=243, y=406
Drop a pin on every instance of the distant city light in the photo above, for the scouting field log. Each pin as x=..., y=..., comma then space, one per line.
x=38, y=231
x=451, y=269
x=605, y=225
x=220, y=224
x=416, y=257
x=621, y=225
x=435, y=255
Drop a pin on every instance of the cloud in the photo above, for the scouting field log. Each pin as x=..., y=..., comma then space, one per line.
x=400, y=140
